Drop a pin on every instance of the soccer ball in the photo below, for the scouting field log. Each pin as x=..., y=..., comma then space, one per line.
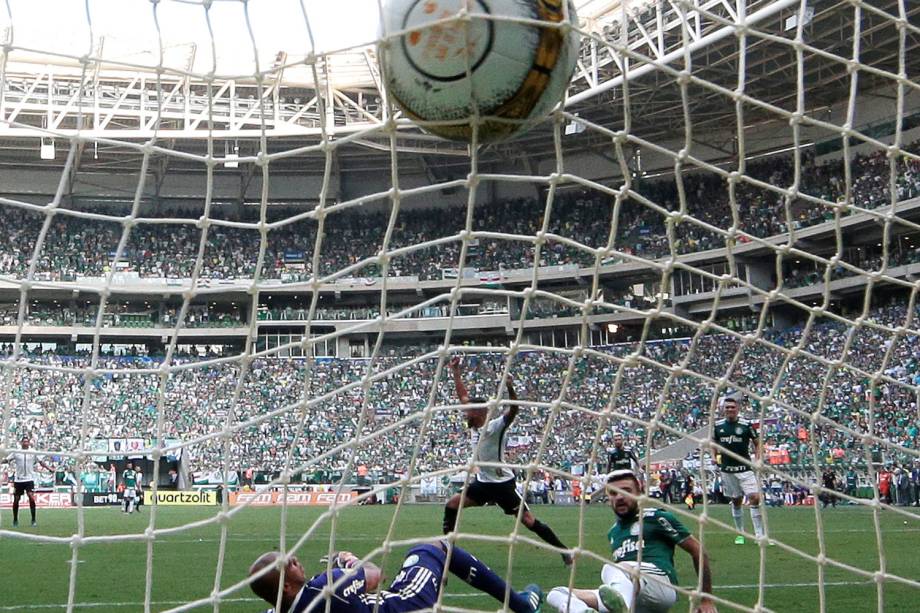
x=441, y=59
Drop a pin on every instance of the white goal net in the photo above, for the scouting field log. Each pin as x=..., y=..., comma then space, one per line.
x=229, y=260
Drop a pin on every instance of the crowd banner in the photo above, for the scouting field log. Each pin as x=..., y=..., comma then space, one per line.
x=267, y=498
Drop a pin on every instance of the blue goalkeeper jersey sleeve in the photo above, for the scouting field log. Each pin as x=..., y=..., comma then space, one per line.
x=348, y=596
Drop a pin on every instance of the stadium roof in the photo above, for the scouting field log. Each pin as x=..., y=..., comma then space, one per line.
x=129, y=103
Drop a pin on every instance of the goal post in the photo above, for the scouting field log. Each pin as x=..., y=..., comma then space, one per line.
x=256, y=265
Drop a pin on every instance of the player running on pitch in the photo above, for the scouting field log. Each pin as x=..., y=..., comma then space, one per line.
x=493, y=484
x=738, y=480
x=351, y=585
x=657, y=533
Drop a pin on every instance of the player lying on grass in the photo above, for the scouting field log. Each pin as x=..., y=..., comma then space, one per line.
x=351, y=586
x=493, y=484
x=660, y=533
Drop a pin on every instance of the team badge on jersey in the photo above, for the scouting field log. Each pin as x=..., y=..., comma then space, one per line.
x=410, y=561
x=634, y=530
x=738, y=430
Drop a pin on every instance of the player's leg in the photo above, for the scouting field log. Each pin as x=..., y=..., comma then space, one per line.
x=732, y=490
x=751, y=489
x=656, y=594
x=617, y=591
x=565, y=600
x=506, y=496
x=452, y=508
x=31, y=497
x=465, y=565
x=17, y=494
x=131, y=501
x=543, y=531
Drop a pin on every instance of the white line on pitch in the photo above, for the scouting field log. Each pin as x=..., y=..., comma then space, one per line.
x=274, y=539
x=78, y=605
x=119, y=605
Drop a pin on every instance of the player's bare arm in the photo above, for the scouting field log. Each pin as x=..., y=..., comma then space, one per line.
x=462, y=394
x=511, y=410
x=701, y=564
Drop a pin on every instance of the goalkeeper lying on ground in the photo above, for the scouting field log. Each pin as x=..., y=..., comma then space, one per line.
x=353, y=584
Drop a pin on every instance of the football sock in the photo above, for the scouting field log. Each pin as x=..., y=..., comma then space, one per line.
x=15, y=509
x=546, y=533
x=738, y=517
x=562, y=600
x=472, y=571
x=757, y=520
x=621, y=582
x=450, y=520
x=32, y=509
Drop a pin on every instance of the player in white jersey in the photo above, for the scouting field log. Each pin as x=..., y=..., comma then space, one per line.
x=493, y=484
x=24, y=482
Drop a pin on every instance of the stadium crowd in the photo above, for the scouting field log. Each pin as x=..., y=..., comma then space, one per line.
x=202, y=400
x=75, y=246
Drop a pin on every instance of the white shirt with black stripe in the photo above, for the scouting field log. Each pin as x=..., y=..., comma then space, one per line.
x=492, y=449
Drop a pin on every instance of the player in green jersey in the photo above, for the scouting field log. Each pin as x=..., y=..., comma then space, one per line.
x=621, y=457
x=129, y=495
x=643, y=547
x=736, y=435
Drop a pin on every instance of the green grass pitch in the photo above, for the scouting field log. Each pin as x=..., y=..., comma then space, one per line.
x=111, y=575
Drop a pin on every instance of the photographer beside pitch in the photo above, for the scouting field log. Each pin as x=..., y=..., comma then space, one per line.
x=656, y=532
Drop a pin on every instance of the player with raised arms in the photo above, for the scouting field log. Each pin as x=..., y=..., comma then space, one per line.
x=656, y=533
x=351, y=586
x=24, y=480
x=738, y=480
x=493, y=484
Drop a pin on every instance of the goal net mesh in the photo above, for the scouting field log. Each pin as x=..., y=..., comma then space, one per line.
x=824, y=351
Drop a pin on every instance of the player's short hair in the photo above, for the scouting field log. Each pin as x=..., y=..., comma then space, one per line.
x=478, y=400
x=265, y=586
x=623, y=473
x=733, y=397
